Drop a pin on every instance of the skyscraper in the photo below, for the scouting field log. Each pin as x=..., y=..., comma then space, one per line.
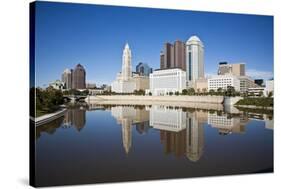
x=79, y=77
x=126, y=63
x=194, y=60
x=173, y=56
x=162, y=66
x=179, y=61
x=67, y=78
x=168, y=55
x=143, y=69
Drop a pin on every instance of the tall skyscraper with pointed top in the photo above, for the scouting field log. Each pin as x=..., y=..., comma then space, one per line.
x=127, y=63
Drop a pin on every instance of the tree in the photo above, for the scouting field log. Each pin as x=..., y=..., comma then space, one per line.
x=204, y=90
x=171, y=93
x=230, y=91
x=270, y=94
x=212, y=92
x=150, y=94
x=184, y=92
x=191, y=91
x=177, y=93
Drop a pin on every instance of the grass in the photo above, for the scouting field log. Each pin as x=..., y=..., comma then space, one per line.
x=263, y=102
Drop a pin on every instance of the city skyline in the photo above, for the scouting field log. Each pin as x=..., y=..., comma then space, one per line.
x=87, y=35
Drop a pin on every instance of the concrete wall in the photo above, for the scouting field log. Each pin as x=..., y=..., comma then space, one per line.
x=230, y=101
x=192, y=99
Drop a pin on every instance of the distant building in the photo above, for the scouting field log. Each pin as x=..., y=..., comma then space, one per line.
x=79, y=77
x=162, y=56
x=269, y=87
x=91, y=85
x=201, y=85
x=127, y=81
x=59, y=85
x=143, y=69
x=67, y=78
x=256, y=91
x=180, y=61
x=237, y=69
x=259, y=82
x=173, y=56
x=223, y=81
x=167, y=80
x=194, y=60
x=246, y=83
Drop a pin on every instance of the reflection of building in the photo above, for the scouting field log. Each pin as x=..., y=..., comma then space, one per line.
x=194, y=136
x=143, y=69
x=226, y=123
x=174, y=142
x=167, y=80
x=194, y=60
x=67, y=78
x=75, y=117
x=163, y=118
x=126, y=116
x=79, y=77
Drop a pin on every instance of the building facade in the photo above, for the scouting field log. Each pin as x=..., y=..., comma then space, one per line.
x=180, y=61
x=59, y=85
x=79, y=77
x=67, y=78
x=165, y=81
x=223, y=81
x=143, y=69
x=194, y=60
x=237, y=69
x=124, y=82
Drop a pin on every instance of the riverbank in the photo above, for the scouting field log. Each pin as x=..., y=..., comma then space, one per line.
x=159, y=99
x=48, y=117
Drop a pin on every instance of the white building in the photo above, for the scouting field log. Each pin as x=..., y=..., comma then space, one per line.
x=163, y=118
x=223, y=81
x=246, y=83
x=194, y=60
x=269, y=87
x=124, y=82
x=59, y=85
x=167, y=80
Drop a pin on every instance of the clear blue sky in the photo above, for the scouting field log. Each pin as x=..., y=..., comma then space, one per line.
x=94, y=36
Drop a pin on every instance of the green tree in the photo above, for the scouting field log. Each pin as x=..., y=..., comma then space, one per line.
x=184, y=92
x=212, y=92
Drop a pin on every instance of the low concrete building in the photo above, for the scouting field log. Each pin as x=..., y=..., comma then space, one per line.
x=246, y=83
x=164, y=81
x=142, y=82
x=255, y=91
x=223, y=81
x=201, y=85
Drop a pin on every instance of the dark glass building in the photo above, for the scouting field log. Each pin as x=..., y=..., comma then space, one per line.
x=79, y=77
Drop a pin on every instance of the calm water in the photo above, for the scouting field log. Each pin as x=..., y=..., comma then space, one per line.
x=120, y=143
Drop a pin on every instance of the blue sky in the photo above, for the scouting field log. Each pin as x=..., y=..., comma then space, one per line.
x=94, y=36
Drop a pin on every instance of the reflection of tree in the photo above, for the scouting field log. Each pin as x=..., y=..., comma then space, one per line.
x=49, y=128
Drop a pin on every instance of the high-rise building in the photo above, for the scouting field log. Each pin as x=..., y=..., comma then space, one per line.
x=180, y=61
x=162, y=65
x=168, y=55
x=237, y=69
x=143, y=69
x=67, y=78
x=127, y=63
x=194, y=60
x=79, y=77
x=173, y=56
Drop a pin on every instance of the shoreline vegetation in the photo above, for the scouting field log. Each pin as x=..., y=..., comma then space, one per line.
x=50, y=100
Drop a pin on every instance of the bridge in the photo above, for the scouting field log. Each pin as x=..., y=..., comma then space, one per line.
x=74, y=98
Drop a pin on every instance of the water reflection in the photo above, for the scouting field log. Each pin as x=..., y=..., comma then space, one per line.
x=158, y=141
x=181, y=130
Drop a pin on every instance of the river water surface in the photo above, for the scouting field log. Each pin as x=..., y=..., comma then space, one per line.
x=108, y=143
